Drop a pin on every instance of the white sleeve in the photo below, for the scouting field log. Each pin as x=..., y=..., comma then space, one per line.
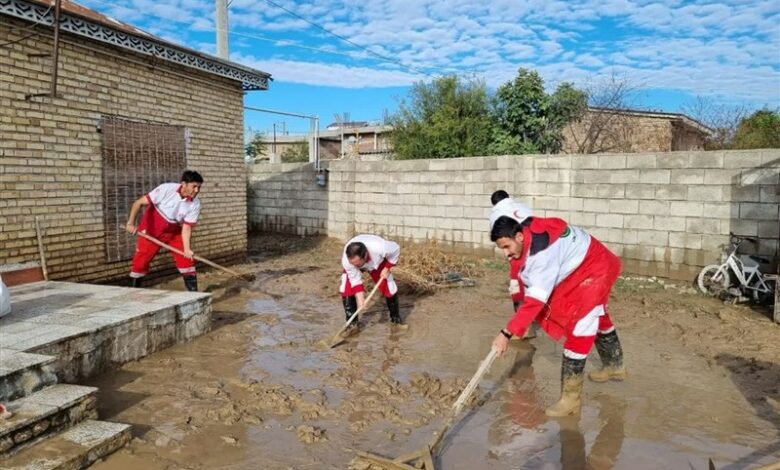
x=194, y=213
x=392, y=252
x=353, y=273
x=541, y=273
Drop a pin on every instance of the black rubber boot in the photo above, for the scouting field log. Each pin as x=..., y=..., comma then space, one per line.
x=394, y=308
x=572, y=371
x=191, y=283
x=136, y=281
x=350, y=307
x=611, y=354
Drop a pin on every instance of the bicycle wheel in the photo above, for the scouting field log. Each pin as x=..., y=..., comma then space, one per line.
x=709, y=284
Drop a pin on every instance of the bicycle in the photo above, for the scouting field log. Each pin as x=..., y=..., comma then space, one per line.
x=739, y=275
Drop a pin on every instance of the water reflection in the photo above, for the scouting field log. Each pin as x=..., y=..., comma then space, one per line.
x=606, y=448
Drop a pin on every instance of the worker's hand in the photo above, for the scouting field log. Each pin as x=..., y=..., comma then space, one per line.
x=385, y=272
x=131, y=228
x=188, y=253
x=500, y=344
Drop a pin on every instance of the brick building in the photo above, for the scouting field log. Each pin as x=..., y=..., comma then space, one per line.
x=632, y=131
x=131, y=111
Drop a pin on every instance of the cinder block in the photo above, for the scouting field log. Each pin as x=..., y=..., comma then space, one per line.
x=703, y=226
x=687, y=176
x=705, y=193
x=686, y=209
x=655, y=176
x=653, y=238
x=640, y=191
x=641, y=160
x=654, y=207
x=742, y=159
x=685, y=240
x=717, y=210
x=600, y=206
x=624, y=176
x=583, y=219
x=638, y=222
x=669, y=223
x=624, y=206
x=749, y=210
x=615, y=161
x=706, y=160
x=609, y=220
x=673, y=160
x=715, y=243
x=596, y=176
x=769, y=229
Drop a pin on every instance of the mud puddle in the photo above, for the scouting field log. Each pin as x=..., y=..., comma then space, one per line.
x=260, y=391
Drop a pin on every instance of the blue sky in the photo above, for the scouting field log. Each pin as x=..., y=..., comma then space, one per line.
x=673, y=50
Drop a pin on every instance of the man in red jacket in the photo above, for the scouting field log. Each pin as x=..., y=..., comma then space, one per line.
x=568, y=276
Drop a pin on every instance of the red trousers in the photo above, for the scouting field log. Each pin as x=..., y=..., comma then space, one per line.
x=388, y=288
x=146, y=251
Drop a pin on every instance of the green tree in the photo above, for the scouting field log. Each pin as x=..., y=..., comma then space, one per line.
x=449, y=117
x=296, y=153
x=759, y=130
x=528, y=119
x=257, y=145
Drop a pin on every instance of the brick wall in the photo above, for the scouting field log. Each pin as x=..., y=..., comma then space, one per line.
x=50, y=150
x=666, y=214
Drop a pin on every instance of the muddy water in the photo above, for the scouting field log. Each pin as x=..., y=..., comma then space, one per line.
x=261, y=392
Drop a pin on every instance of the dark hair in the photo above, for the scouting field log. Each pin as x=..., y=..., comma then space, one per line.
x=497, y=196
x=505, y=227
x=356, y=249
x=190, y=176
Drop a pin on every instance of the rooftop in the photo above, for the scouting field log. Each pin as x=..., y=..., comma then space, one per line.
x=81, y=21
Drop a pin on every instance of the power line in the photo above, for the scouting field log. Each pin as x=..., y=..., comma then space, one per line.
x=278, y=42
x=348, y=41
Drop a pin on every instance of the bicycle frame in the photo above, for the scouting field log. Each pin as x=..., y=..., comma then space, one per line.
x=748, y=278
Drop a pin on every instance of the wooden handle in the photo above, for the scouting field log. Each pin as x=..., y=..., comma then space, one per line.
x=179, y=252
x=40, y=249
x=464, y=396
x=336, y=337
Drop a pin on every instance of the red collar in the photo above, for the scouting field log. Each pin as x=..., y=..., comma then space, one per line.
x=183, y=196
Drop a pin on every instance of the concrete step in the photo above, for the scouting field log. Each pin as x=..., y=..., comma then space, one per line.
x=24, y=373
x=43, y=414
x=74, y=449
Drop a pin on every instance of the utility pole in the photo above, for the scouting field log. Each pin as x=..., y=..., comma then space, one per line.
x=223, y=47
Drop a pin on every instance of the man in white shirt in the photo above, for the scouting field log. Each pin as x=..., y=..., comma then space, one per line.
x=377, y=256
x=172, y=213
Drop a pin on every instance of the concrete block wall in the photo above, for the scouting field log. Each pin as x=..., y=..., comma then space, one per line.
x=285, y=198
x=50, y=149
x=665, y=214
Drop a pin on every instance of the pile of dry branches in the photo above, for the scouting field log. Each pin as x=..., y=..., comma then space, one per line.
x=425, y=267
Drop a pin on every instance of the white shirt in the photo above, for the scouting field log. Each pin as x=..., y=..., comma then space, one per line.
x=170, y=204
x=510, y=208
x=379, y=250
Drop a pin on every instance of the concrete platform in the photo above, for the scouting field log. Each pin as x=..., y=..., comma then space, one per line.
x=89, y=328
x=74, y=449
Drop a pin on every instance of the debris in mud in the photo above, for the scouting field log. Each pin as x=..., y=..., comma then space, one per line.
x=310, y=434
x=426, y=267
x=229, y=440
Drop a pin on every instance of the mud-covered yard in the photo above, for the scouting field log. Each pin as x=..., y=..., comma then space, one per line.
x=261, y=392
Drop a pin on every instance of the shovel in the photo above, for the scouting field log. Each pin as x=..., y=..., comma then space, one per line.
x=337, y=339
x=424, y=458
x=247, y=277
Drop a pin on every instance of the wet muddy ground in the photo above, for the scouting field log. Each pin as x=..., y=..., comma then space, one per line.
x=261, y=392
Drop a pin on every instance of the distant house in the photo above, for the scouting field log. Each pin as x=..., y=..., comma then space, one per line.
x=131, y=111
x=626, y=130
x=364, y=141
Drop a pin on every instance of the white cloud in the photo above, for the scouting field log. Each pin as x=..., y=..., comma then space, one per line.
x=726, y=47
